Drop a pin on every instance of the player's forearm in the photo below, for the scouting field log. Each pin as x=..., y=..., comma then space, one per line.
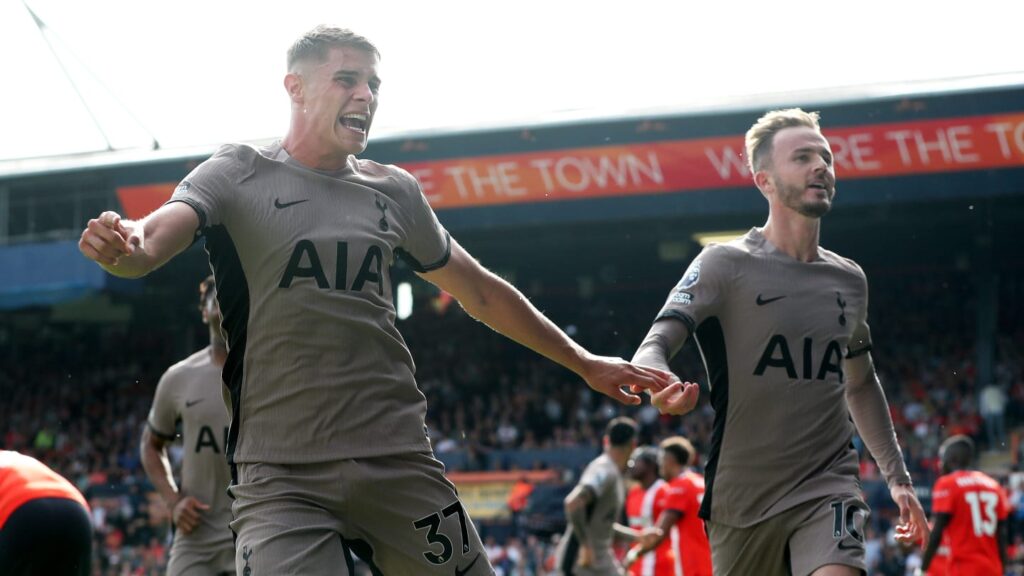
x=158, y=469
x=1002, y=542
x=623, y=532
x=870, y=412
x=653, y=352
x=155, y=239
x=134, y=265
x=933, y=541
x=661, y=344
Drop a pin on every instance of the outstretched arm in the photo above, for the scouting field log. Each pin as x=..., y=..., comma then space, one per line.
x=653, y=537
x=501, y=306
x=131, y=249
x=660, y=345
x=870, y=412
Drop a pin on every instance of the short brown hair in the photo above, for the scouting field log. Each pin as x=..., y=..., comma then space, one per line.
x=313, y=45
x=681, y=449
x=759, y=137
x=621, y=431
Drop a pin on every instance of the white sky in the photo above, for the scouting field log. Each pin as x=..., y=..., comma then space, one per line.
x=199, y=72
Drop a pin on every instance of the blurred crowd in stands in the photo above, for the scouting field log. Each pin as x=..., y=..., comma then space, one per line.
x=77, y=395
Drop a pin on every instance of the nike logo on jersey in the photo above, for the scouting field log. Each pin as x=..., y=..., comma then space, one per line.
x=465, y=571
x=761, y=300
x=857, y=546
x=191, y=403
x=279, y=204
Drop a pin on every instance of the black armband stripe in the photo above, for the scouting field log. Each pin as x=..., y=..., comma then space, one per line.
x=858, y=352
x=159, y=434
x=418, y=267
x=676, y=315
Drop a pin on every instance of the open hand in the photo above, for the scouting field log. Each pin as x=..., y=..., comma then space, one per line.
x=677, y=398
x=913, y=525
x=621, y=380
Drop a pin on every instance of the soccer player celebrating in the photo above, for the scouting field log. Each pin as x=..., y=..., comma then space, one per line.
x=191, y=392
x=969, y=508
x=327, y=437
x=782, y=326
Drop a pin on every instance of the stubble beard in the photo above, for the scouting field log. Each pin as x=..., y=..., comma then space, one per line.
x=792, y=198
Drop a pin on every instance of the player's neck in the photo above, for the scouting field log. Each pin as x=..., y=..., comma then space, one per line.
x=793, y=234
x=620, y=457
x=218, y=351
x=305, y=151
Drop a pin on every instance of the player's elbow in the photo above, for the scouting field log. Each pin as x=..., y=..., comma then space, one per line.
x=484, y=295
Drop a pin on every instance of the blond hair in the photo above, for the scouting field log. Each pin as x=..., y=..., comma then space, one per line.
x=759, y=137
x=314, y=45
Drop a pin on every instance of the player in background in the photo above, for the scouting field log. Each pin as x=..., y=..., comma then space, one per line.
x=782, y=327
x=594, y=506
x=191, y=392
x=678, y=524
x=642, y=512
x=45, y=528
x=327, y=443
x=969, y=510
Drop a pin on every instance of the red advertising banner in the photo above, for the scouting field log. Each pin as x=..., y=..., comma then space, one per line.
x=905, y=148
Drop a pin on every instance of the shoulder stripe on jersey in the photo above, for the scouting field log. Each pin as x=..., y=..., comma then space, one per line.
x=233, y=297
x=159, y=434
x=418, y=267
x=711, y=341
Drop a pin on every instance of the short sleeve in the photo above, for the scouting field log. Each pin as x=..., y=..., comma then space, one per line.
x=163, y=414
x=206, y=189
x=676, y=498
x=427, y=244
x=700, y=291
x=942, y=496
x=598, y=478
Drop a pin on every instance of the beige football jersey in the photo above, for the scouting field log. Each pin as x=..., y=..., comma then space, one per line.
x=774, y=332
x=603, y=478
x=190, y=392
x=316, y=367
